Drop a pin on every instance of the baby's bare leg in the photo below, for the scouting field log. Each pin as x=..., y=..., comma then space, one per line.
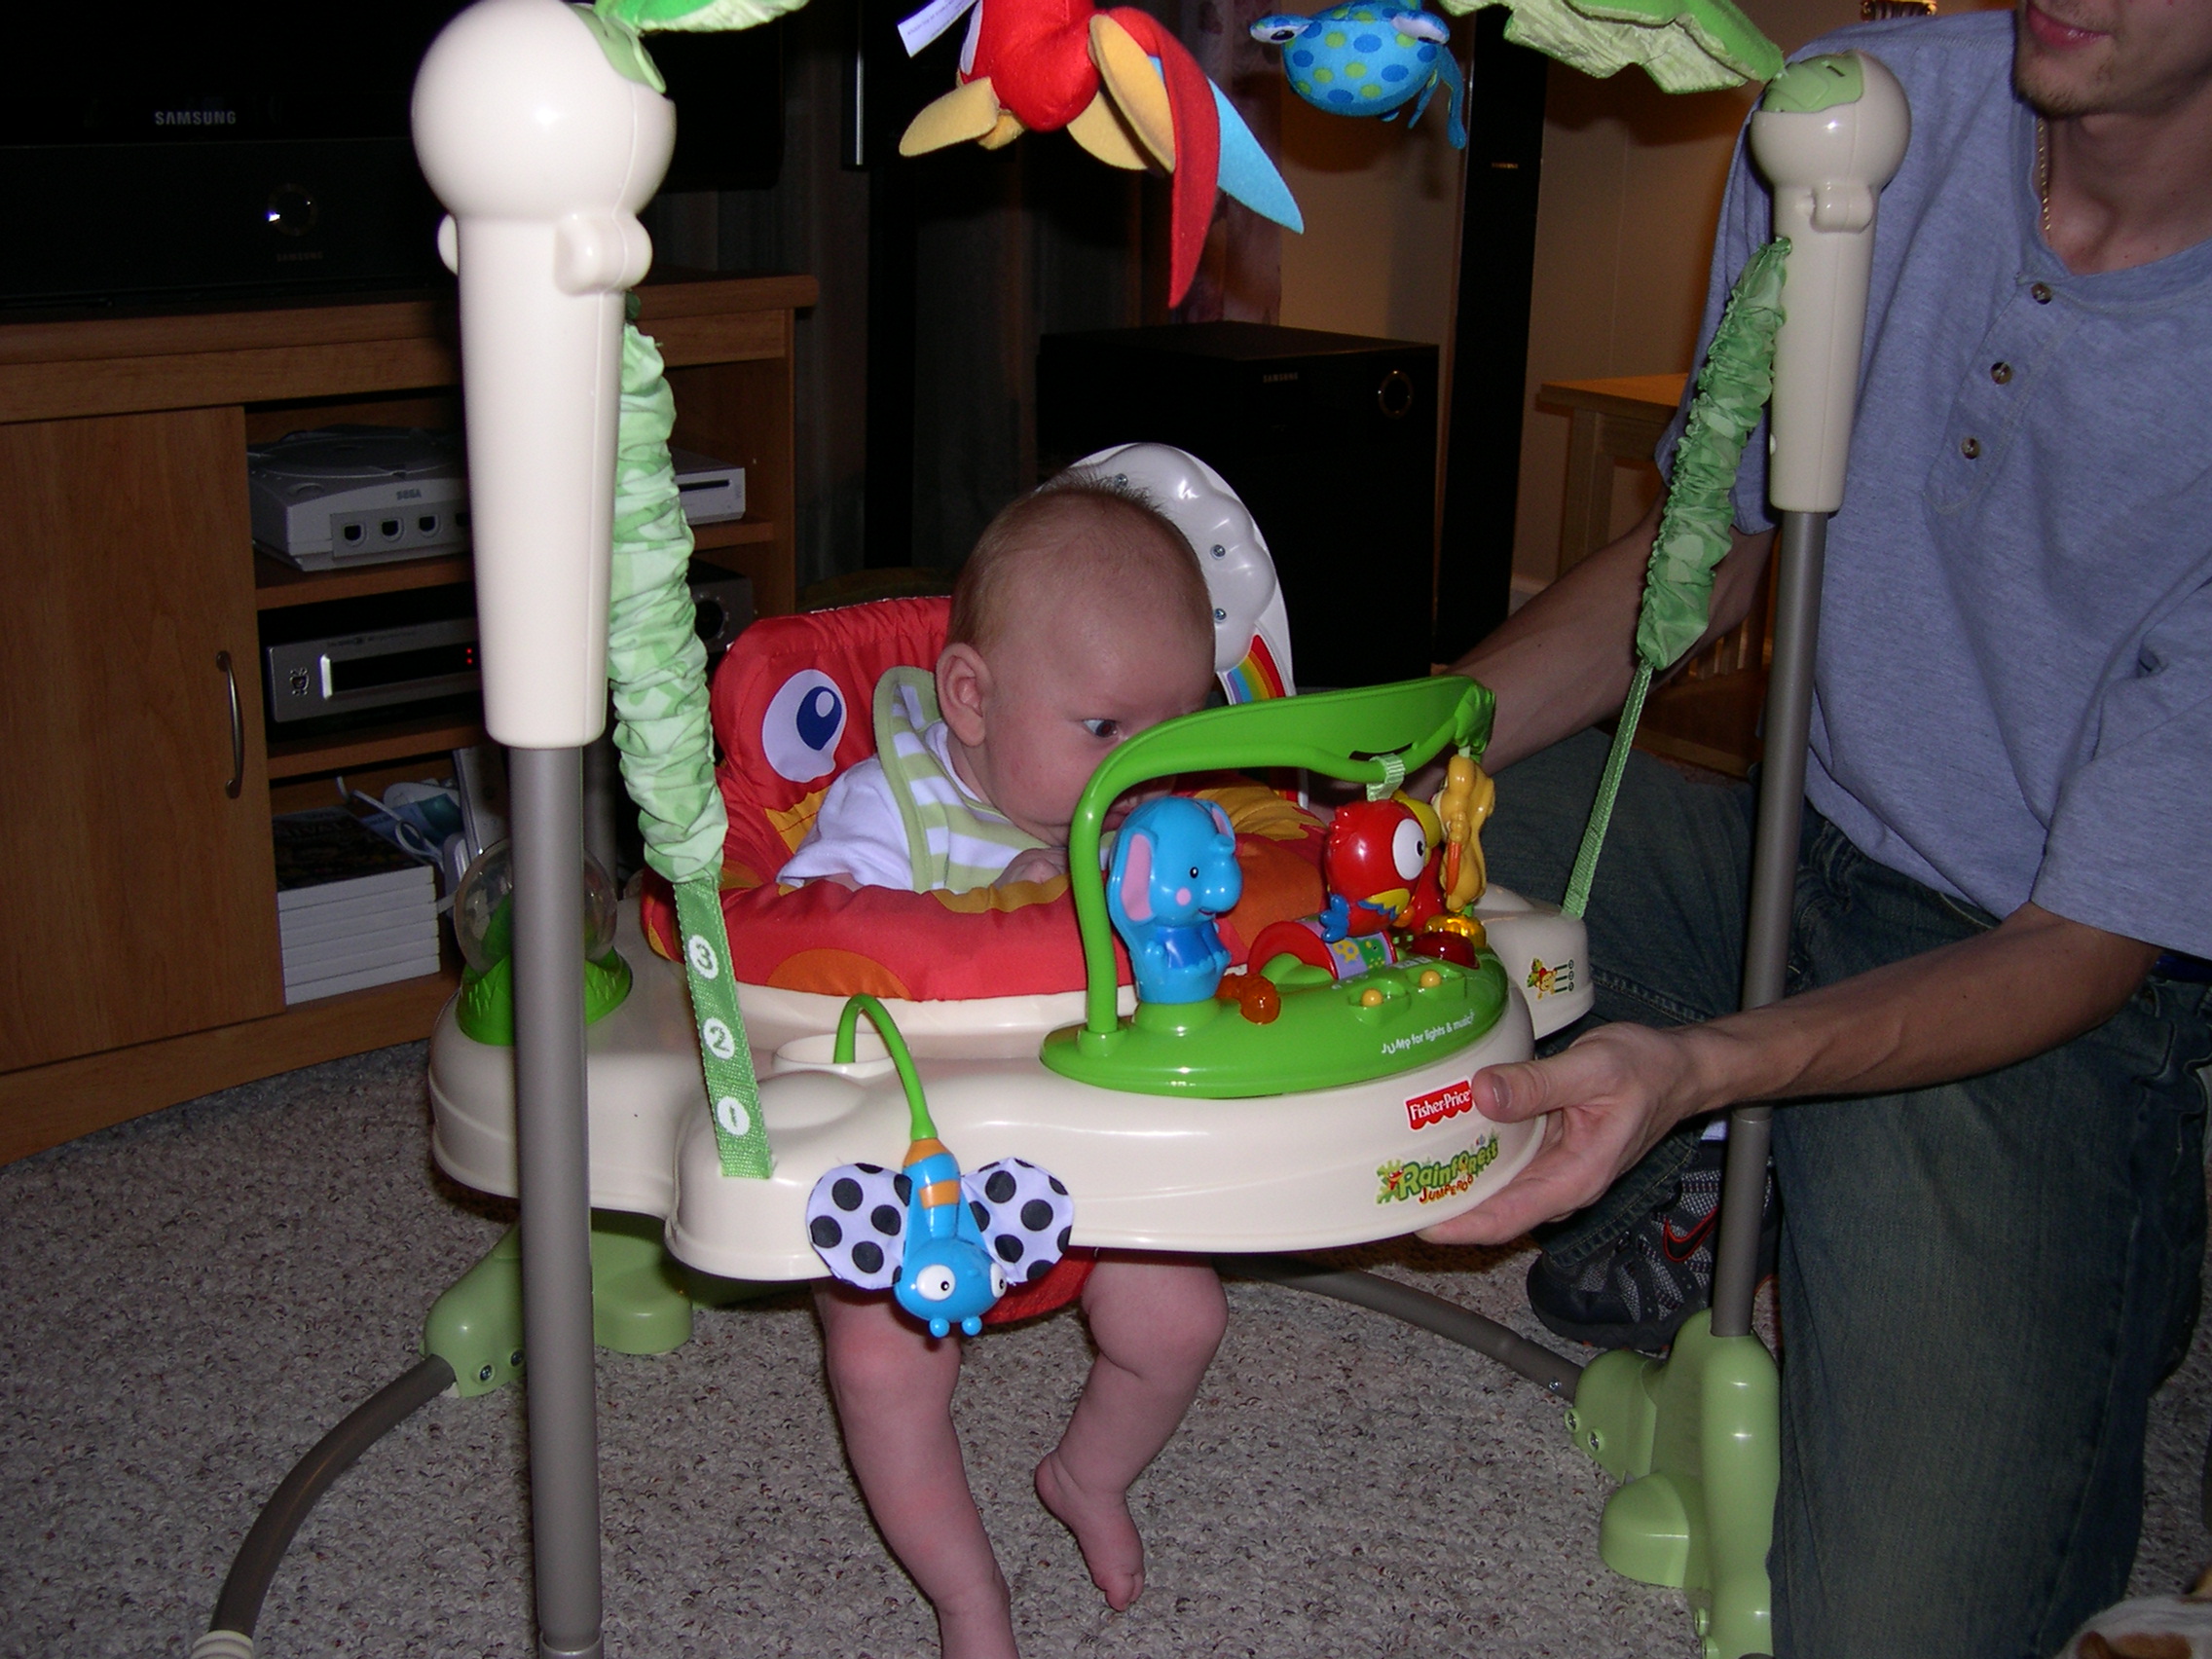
x=1156, y=1321
x=893, y=1387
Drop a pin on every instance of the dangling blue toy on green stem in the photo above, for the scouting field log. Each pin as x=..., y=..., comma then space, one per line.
x=1369, y=59
x=946, y=1245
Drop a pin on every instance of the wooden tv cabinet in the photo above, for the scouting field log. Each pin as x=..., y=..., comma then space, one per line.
x=141, y=955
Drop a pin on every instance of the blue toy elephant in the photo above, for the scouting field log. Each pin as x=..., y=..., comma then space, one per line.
x=1174, y=870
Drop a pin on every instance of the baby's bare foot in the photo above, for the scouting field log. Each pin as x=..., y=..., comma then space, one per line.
x=1101, y=1525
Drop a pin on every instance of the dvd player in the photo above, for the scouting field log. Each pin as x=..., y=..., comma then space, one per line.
x=347, y=656
x=337, y=497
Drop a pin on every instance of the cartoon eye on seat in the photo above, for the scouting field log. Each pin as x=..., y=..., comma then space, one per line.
x=800, y=732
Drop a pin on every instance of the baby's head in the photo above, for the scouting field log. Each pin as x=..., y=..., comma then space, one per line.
x=1079, y=619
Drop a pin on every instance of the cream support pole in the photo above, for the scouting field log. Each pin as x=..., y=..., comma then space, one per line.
x=542, y=152
x=1829, y=134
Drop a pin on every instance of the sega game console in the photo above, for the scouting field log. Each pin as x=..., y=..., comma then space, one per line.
x=338, y=497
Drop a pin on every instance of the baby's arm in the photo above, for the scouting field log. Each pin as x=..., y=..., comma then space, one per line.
x=1044, y=863
x=857, y=839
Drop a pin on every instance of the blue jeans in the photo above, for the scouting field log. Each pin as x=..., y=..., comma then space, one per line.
x=1980, y=1284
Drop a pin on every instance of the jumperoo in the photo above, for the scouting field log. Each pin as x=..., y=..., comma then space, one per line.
x=1315, y=1098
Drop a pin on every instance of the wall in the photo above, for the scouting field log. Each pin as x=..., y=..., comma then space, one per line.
x=1381, y=209
x=1631, y=194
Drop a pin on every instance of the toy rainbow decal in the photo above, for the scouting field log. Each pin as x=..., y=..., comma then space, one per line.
x=1254, y=678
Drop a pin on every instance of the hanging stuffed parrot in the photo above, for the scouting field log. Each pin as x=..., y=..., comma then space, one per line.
x=1120, y=84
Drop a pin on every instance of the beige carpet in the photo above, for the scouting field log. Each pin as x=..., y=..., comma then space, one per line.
x=192, y=1298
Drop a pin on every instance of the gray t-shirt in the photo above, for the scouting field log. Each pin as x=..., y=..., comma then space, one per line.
x=2014, y=694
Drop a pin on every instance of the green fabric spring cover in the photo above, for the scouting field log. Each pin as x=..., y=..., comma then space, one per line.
x=658, y=669
x=656, y=662
x=654, y=659
x=1732, y=389
x=1693, y=538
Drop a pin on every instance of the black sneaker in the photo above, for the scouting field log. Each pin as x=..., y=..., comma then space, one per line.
x=1637, y=1293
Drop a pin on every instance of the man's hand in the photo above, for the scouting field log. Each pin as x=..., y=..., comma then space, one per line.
x=2034, y=982
x=1034, y=864
x=1609, y=1099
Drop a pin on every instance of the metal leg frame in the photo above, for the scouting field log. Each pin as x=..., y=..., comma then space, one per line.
x=547, y=792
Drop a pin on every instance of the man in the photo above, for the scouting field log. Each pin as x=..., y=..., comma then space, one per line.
x=1992, y=1177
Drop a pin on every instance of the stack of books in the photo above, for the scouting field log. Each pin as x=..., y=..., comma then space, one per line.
x=352, y=910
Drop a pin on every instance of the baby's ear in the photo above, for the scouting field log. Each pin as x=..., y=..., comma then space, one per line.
x=963, y=683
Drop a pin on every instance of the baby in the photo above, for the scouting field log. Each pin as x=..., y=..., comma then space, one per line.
x=1079, y=619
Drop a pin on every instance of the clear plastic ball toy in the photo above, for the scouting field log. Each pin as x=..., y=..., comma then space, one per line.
x=483, y=908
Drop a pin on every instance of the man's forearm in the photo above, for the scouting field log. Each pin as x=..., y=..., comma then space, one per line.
x=2033, y=982
x=1564, y=661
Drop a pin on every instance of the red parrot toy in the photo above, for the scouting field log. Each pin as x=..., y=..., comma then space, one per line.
x=1380, y=866
x=1120, y=84
x=1378, y=859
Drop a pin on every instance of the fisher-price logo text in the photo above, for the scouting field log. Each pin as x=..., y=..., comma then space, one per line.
x=1429, y=1183
x=1438, y=1104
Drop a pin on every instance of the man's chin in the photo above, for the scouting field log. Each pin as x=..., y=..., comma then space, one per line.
x=2057, y=83
x=2053, y=98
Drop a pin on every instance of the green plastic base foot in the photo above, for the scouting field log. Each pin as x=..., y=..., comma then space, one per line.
x=1697, y=1439
x=476, y=1326
x=640, y=1302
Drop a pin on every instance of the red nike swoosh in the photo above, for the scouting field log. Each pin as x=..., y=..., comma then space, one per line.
x=1682, y=1246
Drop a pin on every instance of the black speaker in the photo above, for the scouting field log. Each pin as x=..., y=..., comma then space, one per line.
x=1329, y=438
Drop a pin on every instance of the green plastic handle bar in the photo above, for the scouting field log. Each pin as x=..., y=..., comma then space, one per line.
x=1345, y=734
x=922, y=1125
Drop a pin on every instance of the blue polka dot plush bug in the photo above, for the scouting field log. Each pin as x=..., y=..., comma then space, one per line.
x=945, y=1244
x=1371, y=59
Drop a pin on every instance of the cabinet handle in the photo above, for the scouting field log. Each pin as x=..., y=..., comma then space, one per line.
x=237, y=727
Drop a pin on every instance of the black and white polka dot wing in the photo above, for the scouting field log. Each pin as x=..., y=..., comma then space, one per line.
x=1023, y=1214
x=856, y=1219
